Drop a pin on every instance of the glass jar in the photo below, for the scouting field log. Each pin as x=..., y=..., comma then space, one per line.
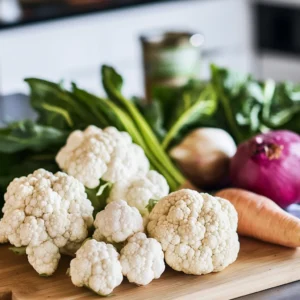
x=170, y=58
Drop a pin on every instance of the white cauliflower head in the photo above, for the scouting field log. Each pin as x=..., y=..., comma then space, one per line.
x=95, y=154
x=139, y=190
x=197, y=231
x=97, y=267
x=142, y=259
x=45, y=212
x=117, y=222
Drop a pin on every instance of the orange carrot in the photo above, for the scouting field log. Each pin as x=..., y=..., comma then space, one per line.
x=261, y=218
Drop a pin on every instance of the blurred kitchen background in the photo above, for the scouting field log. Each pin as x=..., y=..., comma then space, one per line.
x=70, y=39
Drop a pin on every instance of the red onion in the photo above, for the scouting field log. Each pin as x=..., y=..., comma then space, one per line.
x=269, y=164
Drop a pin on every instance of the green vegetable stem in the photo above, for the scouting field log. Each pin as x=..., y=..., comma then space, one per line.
x=158, y=158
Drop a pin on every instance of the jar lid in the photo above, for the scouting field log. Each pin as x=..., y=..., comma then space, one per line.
x=172, y=38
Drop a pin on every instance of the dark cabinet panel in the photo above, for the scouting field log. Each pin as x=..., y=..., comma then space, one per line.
x=278, y=28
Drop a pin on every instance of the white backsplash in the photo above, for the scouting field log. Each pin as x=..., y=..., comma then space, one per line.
x=74, y=48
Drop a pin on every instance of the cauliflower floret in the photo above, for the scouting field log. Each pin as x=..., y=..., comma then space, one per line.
x=44, y=258
x=45, y=212
x=32, y=231
x=117, y=222
x=10, y=224
x=96, y=266
x=142, y=259
x=3, y=237
x=197, y=231
x=138, y=190
x=96, y=154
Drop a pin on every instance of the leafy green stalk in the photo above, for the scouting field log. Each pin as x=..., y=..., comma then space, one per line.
x=153, y=114
x=202, y=106
x=112, y=83
x=225, y=101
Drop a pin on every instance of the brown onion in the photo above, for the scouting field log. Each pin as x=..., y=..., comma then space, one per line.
x=204, y=156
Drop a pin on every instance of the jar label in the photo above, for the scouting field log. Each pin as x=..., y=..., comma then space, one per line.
x=172, y=62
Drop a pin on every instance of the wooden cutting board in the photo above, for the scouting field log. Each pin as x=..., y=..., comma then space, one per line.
x=260, y=266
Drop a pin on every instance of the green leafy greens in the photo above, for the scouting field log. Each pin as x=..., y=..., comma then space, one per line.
x=247, y=107
x=235, y=102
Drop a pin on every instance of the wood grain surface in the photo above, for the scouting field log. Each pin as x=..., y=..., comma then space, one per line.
x=260, y=266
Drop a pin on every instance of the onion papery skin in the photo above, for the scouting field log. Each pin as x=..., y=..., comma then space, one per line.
x=269, y=164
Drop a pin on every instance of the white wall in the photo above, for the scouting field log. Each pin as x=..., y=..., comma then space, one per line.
x=279, y=67
x=74, y=48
